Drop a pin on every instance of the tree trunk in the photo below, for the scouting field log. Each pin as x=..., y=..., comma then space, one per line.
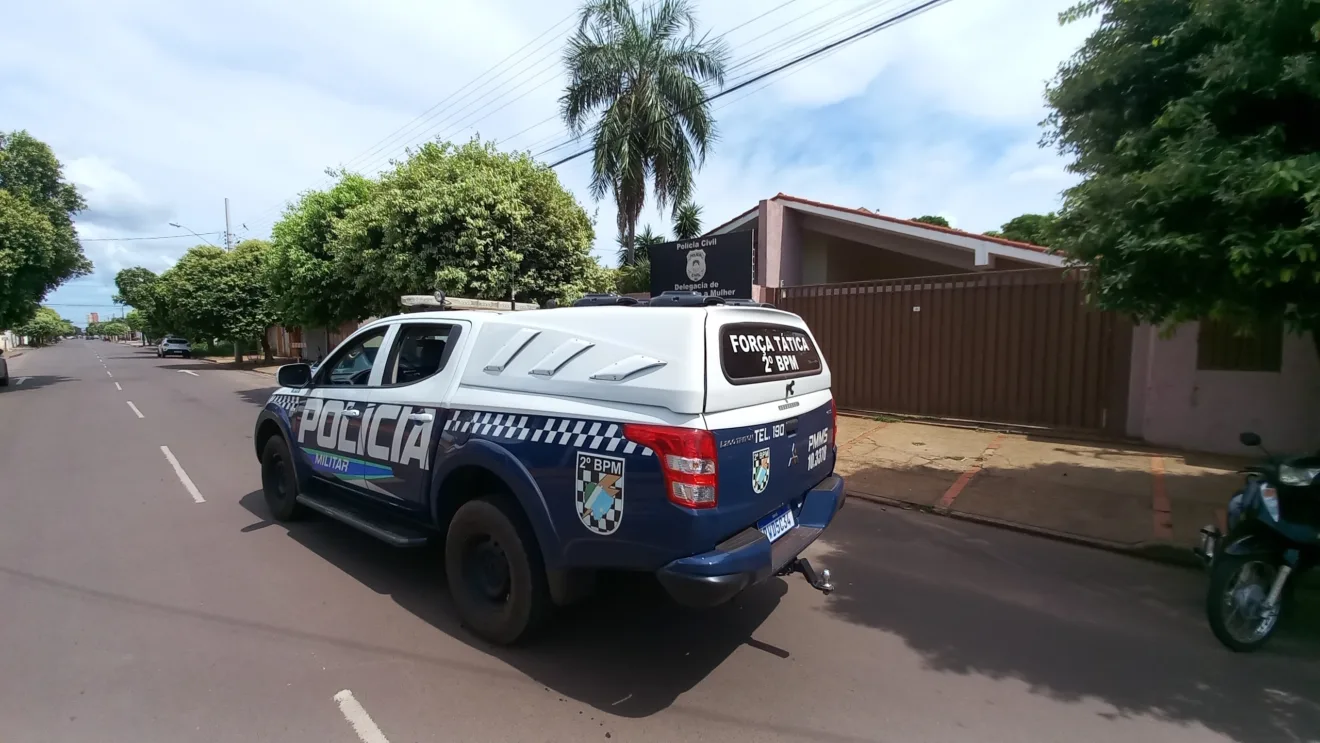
x=238, y=351
x=632, y=239
x=265, y=348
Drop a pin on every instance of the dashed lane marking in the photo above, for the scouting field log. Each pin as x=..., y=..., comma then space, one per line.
x=183, y=477
x=133, y=407
x=108, y=374
x=121, y=389
x=363, y=725
x=185, y=371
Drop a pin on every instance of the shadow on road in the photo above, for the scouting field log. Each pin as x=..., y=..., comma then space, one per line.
x=257, y=396
x=628, y=651
x=32, y=383
x=1072, y=624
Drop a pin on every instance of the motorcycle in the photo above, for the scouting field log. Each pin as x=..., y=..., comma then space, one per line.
x=1271, y=538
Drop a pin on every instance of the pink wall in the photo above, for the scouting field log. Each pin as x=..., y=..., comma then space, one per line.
x=1171, y=403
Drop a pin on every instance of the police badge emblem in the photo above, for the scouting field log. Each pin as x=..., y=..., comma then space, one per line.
x=760, y=470
x=598, y=492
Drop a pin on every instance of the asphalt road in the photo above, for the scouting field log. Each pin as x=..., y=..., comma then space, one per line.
x=129, y=611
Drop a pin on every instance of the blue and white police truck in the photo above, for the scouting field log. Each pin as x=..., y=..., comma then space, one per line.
x=688, y=437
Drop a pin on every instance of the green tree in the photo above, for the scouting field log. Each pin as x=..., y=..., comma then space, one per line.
x=470, y=220
x=931, y=219
x=1196, y=127
x=644, y=241
x=1036, y=229
x=44, y=327
x=306, y=281
x=39, y=248
x=115, y=329
x=213, y=294
x=635, y=276
x=137, y=286
x=645, y=74
x=687, y=221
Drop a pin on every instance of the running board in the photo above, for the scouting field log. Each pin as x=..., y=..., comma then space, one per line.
x=387, y=530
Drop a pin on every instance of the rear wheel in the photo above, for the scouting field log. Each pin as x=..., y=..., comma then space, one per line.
x=279, y=481
x=495, y=571
x=1235, y=602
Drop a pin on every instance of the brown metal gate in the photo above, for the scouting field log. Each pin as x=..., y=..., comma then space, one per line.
x=1013, y=347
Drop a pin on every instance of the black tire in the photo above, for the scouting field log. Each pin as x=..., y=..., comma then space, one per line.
x=187, y=354
x=1223, y=572
x=502, y=607
x=279, y=481
x=4, y=381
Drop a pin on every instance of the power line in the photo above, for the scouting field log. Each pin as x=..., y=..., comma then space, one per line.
x=153, y=237
x=892, y=20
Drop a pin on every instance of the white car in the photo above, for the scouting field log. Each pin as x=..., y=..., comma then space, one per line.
x=4, y=370
x=175, y=346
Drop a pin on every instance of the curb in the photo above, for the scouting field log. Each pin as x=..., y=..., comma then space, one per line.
x=1162, y=552
x=1166, y=553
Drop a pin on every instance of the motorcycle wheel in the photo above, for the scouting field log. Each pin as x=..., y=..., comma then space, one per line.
x=1234, y=602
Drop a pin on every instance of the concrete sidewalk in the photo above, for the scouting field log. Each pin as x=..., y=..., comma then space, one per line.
x=1126, y=498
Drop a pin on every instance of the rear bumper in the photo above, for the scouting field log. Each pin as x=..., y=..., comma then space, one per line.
x=748, y=557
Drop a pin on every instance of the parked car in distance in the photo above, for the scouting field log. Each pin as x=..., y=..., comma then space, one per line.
x=4, y=370
x=174, y=346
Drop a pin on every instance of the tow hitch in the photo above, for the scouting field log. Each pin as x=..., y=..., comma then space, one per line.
x=820, y=582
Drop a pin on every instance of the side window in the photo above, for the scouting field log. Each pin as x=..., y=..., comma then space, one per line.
x=351, y=366
x=421, y=351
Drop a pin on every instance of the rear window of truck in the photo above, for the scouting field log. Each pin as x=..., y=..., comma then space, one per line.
x=763, y=352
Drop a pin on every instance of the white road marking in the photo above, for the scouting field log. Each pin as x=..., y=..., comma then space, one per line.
x=366, y=729
x=108, y=374
x=20, y=380
x=183, y=476
x=185, y=371
x=135, y=410
x=121, y=389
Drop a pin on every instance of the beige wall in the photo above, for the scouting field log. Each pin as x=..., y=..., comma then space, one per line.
x=1172, y=403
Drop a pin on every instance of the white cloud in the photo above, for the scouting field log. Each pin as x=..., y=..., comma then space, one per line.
x=161, y=110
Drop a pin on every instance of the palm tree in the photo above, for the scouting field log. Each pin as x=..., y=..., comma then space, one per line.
x=646, y=73
x=687, y=221
x=644, y=240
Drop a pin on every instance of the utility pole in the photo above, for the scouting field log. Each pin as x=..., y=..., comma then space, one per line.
x=229, y=236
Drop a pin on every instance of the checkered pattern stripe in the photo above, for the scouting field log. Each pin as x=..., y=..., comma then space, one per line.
x=581, y=434
x=608, y=521
x=288, y=402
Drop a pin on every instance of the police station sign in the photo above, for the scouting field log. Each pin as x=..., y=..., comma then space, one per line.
x=716, y=265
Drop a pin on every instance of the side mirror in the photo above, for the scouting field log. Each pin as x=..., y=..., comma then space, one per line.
x=294, y=375
x=1247, y=438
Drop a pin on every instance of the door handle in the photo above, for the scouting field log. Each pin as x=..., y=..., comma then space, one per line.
x=421, y=417
x=353, y=413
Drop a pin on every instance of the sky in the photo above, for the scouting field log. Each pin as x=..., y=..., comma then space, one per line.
x=160, y=110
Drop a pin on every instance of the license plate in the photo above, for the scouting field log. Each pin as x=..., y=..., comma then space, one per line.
x=777, y=524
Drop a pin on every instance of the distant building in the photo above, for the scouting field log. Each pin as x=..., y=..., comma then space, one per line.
x=93, y=317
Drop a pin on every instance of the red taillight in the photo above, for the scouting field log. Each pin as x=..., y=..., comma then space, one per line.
x=834, y=423
x=687, y=458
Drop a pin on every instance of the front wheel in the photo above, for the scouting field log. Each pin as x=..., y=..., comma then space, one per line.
x=1235, y=604
x=279, y=481
x=495, y=571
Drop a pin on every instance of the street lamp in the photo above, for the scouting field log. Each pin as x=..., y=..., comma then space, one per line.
x=199, y=237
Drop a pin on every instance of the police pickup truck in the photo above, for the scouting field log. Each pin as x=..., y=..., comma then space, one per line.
x=687, y=437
